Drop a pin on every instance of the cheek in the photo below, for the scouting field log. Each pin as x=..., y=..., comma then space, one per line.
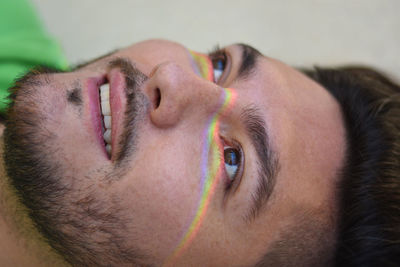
x=162, y=192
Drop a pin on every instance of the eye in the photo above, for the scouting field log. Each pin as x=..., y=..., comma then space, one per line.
x=218, y=67
x=232, y=158
x=219, y=61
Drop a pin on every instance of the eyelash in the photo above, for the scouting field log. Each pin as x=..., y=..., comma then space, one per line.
x=215, y=50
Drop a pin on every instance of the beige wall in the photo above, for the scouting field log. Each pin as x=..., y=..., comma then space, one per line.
x=300, y=32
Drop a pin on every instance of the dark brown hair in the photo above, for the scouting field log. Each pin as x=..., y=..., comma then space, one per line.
x=369, y=189
x=368, y=192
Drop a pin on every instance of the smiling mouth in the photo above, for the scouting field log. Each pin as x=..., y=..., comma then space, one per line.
x=104, y=92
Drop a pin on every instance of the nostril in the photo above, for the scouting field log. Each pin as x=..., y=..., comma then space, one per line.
x=157, y=98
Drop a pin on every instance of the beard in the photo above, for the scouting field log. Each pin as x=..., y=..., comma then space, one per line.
x=84, y=225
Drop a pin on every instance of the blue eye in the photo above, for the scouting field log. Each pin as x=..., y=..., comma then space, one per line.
x=219, y=64
x=232, y=158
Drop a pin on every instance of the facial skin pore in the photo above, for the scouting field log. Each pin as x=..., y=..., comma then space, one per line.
x=145, y=198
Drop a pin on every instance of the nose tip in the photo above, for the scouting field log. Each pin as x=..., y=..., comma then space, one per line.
x=174, y=90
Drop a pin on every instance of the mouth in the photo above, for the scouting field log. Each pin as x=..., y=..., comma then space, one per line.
x=106, y=98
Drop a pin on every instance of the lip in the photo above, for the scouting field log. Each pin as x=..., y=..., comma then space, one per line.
x=117, y=97
x=93, y=85
x=117, y=100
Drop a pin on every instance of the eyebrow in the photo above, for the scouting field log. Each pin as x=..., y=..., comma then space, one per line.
x=248, y=61
x=267, y=160
x=256, y=129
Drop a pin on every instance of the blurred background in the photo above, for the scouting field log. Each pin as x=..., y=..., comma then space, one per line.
x=299, y=32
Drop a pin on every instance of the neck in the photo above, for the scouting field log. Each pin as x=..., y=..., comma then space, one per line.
x=20, y=242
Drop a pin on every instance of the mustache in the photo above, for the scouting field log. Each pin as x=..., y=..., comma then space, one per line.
x=137, y=105
x=134, y=78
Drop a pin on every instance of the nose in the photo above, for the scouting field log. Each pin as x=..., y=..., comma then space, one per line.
x=178, y=93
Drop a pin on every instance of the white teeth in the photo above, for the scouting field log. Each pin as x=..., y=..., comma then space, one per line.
x=105, y=99
x=106, y=112
x=107, y=122
x=107, y=136
x=108, y=149
x=105, y=108
x=105, y=92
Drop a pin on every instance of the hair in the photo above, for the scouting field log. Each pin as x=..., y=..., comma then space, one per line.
x=369, y=187
x=368, y=192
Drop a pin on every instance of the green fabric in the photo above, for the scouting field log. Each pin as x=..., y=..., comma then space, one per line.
x=23, y=44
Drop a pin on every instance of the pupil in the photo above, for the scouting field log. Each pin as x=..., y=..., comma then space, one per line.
x=231, y=157
x=219, y=63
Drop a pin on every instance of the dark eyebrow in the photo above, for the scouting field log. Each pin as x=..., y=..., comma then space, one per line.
x=267, y=160
x=248, y=61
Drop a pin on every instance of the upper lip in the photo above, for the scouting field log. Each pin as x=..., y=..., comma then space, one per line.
x=116, y=80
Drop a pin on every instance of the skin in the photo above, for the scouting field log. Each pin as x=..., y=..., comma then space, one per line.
x=158, y=190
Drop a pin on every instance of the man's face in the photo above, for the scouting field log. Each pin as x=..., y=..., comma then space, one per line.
x=202, y=171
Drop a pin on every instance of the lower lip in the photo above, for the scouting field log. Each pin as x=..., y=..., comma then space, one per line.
x=93, y=85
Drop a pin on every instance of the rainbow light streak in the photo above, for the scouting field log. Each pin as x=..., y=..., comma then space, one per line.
x=203, y=65
x=211, y=168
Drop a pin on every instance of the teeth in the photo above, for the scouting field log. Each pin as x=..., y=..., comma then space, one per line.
x=106, y=112
x=107, y=136
x=107, y=122
x=108, y=149
x=105, y=99
x=105, y=108
x=105, y=92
